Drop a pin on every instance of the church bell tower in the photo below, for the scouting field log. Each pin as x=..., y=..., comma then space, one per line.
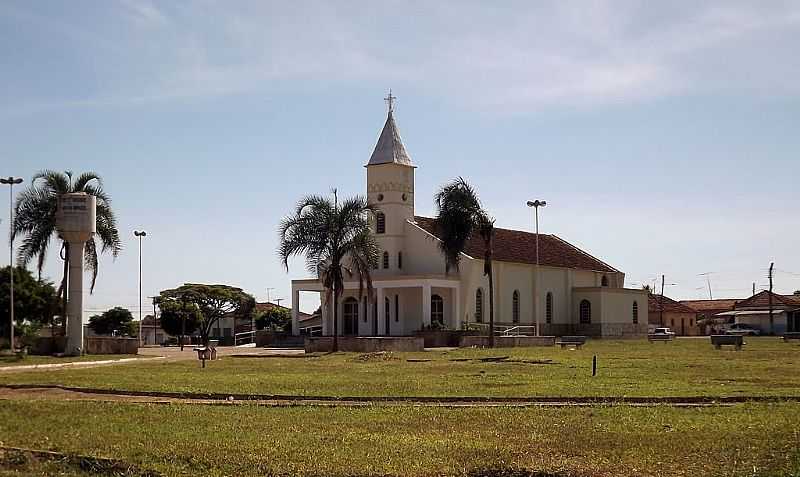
x=390, y=188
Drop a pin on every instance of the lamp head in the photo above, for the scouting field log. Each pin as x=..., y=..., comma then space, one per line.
x=11, y=180
x=536, y=203
x=140, y=234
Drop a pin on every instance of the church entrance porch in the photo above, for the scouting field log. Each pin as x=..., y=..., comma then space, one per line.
x=398, y=306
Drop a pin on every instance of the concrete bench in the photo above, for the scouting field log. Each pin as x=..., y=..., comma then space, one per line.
x=719, y=341
x=659, y=337
x=571, y=341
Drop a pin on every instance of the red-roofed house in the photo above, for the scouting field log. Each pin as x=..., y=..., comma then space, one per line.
x=577, y=292
x=664, y=311
x=755, y=311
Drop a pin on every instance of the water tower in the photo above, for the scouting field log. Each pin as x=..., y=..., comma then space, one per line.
x=76, y=219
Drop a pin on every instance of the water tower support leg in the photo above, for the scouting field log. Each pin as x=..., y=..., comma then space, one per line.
x=75, y=303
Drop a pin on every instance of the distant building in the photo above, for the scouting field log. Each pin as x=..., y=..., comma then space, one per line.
x=681, y=318
x=755, y=311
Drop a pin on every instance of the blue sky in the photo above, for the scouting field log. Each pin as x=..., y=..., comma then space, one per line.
x=665, y=138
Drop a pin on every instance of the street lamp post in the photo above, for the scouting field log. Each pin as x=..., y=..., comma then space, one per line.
x=11, y=181
x=140, y=234
x=536, y=204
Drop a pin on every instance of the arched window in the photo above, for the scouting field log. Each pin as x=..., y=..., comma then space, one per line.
x=399, y=259
x=380, y=223
x=585, y=312
x=515, y=307
x=350, y=308
x=437, y=310
x=385, y=259
x=604, y=281
x=635, y=313
x=479, y=306
x=548, y=308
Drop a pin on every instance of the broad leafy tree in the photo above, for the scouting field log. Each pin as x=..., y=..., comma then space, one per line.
x=275, y=319
x=213, y=303
x=179, y=318
x=460, y=217
x=35, y=221
x=35, y=301
x=337, y=242
x=117, y=321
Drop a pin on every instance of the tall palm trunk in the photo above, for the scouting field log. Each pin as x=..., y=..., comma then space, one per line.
x=491, y=303
x=335, y=319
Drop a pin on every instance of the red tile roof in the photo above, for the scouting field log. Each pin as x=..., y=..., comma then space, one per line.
x=714, y=306
x=654, y=303
x=518, y=246
x=761, y=300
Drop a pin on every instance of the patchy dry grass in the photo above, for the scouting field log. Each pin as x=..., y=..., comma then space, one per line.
x=687, y=367
x=743, y=440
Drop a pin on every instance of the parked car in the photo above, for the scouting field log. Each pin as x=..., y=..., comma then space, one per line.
x=742, y=329
x=663, y=331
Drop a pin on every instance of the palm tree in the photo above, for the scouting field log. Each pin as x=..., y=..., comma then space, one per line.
x=35, y=211
x=336, y=241
x=459, y=216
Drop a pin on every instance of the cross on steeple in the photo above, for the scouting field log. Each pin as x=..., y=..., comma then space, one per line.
x=390, y=100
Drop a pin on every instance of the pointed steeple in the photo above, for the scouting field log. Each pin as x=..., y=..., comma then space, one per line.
x=390, y=149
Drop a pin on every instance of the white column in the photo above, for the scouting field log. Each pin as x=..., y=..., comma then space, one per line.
x=426, y=305
x=295, y=312
x=457, y=307
x=381, y=312
x=324, y=315
x=75, y=303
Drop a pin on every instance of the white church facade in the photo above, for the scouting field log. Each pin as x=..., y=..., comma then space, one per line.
x=577, y=293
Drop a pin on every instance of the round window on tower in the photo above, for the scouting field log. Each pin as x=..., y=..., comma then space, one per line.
x=404, y=197
x=380, y=197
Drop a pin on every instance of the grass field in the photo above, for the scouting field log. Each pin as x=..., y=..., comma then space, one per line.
x=685, y=368
x=749, y=439
x=743, y=440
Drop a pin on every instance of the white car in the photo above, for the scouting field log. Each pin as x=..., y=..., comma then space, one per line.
x=742, y=329
x=663, y=331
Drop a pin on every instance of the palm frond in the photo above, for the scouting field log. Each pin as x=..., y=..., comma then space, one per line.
x=90, y=261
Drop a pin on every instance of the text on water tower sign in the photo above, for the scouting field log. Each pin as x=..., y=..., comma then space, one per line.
x=74, y=204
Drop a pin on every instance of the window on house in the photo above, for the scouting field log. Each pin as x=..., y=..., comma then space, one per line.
x=479, y=306
x=548, y=308
x=604, y=281
x=691, y=321
x=515, y=307
x=385, y=259
x=397, y=308
x=437, y=310
x=585, y=312
x=399, y=259
x=380, y=223
x=635, y=312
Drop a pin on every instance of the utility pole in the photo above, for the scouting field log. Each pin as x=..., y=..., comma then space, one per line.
x=754, y=288
x=536, y=204
x=140, y=235
x=268, y=290
x=10, y=181
x=661, y=303
x=771, y=323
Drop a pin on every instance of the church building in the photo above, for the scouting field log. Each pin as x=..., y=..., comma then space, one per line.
x=577, y=292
